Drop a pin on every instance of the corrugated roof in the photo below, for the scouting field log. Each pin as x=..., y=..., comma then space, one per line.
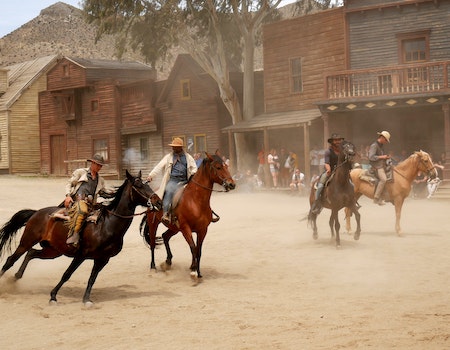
x=278, y=120
x=22, y=75
x=108, y=64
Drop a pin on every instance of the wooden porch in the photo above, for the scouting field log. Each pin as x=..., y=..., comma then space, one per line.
x=406, y=79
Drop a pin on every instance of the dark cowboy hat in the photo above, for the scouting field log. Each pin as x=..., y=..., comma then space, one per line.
x=98, y=159
x=335, y=137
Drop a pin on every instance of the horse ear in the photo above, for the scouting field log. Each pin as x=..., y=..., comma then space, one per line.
x=129, y=177
x=140, y=174
x=208, y=155
x=218, y=153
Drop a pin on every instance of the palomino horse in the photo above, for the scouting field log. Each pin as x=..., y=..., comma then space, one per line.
x=100, y=241
x=338, y=194
x=192, y=213
x=396, y=191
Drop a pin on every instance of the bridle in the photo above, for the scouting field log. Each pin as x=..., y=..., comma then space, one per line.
x=141, y=195
x=420, y=160
x=213, y=169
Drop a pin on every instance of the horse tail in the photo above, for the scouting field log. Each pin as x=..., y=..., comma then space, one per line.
x=9, y=229
x=144, y=231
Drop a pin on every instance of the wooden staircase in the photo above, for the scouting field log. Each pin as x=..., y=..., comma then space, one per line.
x=443, y=191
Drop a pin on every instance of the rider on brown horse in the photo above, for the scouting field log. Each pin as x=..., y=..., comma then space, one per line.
x=176, y=168
x=331, y=160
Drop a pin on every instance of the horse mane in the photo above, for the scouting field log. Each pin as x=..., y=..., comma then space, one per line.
x=116, y=195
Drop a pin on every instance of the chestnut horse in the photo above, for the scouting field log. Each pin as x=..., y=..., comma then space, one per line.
x=396, y=191
x=338, y=194
x=100, y=241
x=192, y=213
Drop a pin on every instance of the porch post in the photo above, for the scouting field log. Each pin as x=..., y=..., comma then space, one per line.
x=446, y=109
x=267, y=175
x=326, y=129
x=307, y=150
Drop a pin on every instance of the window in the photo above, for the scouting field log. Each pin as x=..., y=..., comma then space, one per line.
x=414, y=47
x=100, y=146
x=296, y=75
x=94, y=106
x=200, y=143
x=185, y=89
x=68, y=106
x=66, y=71
x=143, y=148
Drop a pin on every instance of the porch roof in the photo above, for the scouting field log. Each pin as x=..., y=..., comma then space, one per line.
x=279, y=120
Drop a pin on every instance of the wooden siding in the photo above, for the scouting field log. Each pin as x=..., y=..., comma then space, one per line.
x=319, y=41
x=24, y=130
x=373, y=36
x=4, y=136
x=57, y=81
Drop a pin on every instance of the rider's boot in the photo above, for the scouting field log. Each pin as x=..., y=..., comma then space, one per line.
x=165, y=219
x=316, y=208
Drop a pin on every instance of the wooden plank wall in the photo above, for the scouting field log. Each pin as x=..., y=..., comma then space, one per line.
x=373, y=35
x=57, y=81
x=319, y=40
x=24, y=130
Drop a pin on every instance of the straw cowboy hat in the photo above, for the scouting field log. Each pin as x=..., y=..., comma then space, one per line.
x=98, y=159
x=335, y=137
x=385, y=134
x=177, y=142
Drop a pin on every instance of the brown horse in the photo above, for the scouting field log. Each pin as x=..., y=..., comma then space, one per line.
x=396, y=191
x=192, y=213
x=100, y=241
x=338, y=193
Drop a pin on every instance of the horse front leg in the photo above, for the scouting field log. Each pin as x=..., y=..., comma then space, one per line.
x=194, y=252
x=76, y=262
x=200, y=238
x=348, y=216
x=331, y=222
x=398, y=213
x=46, y=253
x=99, y=264
x=334, y=218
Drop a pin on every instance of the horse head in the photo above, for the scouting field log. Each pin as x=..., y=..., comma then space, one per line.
x=426, y=164
x=219, y=171
x=142, y=194
x=348, y=151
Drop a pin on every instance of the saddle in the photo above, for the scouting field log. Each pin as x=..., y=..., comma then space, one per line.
x=62, y=214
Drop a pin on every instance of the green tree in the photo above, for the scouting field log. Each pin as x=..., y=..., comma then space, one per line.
x=217, y=34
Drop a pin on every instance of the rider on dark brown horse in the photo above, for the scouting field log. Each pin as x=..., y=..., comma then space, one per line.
x=331, y=160
x=176, y=168
x=378, y=159
x=81, y=192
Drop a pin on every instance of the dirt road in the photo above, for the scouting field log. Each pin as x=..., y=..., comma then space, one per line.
x=266, y=283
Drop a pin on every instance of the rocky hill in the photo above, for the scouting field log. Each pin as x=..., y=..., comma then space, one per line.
x=61, y=29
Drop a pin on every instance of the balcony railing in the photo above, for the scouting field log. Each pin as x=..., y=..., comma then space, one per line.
x=408, y=79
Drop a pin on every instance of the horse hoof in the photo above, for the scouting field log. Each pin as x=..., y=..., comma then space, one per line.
x=52, y=302
x=165, y=266
x=194, y=274
x=315, y=236
x=88, y=304
x=338, y=247
x=356, y=237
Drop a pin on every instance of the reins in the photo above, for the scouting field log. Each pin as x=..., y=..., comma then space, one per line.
x=207, y=188
x=132, y=199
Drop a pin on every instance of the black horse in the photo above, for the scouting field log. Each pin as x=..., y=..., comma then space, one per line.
x=338, y=193
x=100, y=241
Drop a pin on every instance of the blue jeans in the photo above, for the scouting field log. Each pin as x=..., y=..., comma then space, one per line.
x=169, y=192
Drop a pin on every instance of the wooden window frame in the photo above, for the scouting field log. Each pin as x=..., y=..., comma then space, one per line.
x=95, y=105
x=103, y=151
x=197, y=143
x=414, y=36
x=185, y=93
x=293, y=76
x=65, y=70
x=143, y=151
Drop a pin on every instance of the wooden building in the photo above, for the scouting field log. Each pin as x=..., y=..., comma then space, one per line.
x=19, y=115
x=190, y=107
x=98, y=106
x=396, y=77
x=296, y=53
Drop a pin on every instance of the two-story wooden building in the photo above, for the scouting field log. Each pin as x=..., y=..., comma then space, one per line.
x=396, y=77
x=98, y=106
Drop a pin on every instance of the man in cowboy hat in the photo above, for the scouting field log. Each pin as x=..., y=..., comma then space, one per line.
x=81, y=191
x=176, y=168
x=378, y=159
x=331, y=160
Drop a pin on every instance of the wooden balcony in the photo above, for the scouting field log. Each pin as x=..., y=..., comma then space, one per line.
x=399, y=80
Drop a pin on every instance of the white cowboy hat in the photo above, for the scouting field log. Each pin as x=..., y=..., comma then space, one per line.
x=385, y=134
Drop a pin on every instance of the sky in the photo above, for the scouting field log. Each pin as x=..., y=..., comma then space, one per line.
x=16, y=13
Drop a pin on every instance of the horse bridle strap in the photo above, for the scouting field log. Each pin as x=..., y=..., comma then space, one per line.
x=206, y=188
x=126, y=216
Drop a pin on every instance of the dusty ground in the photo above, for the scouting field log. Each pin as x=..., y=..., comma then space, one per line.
x=267, y=284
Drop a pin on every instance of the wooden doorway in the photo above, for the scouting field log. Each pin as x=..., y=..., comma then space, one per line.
x=58, y=155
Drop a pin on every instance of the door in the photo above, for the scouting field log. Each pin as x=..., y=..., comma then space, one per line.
x=58, y=155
